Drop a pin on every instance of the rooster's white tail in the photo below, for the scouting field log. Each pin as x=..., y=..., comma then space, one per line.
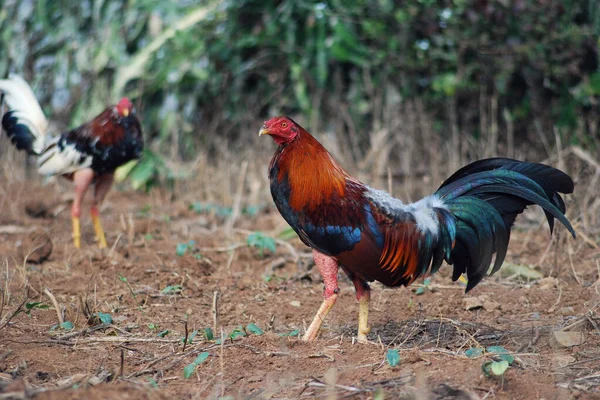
x=24, y=123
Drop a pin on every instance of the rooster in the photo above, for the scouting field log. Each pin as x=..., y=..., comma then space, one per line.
x=373, y=236
x=88, y=154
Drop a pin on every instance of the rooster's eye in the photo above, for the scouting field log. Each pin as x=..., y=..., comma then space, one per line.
x=284, y=124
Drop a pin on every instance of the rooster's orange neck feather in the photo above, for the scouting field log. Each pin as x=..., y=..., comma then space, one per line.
x=312, y=173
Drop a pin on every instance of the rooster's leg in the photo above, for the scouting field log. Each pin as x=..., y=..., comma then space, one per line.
x=103, y=184
x=363, y=295
x=328, y=268
x=82, y=180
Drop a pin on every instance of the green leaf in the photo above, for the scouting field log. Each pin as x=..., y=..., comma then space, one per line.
x=192, y=336
x=498, y=367
x=261, y=242
x=152, y=326
x=67, y=325
x=36, y=305
x=502, y=353
x=252, y=328
x=172, y=289
x=474, y=352
x=105, y=318
x=393, y=357
x=188, y=370
x=152, y=383
x=181, y=249
x=163, y=333
x=295, y=332
x=420, y=290
x=201, y=357
x=208, y=334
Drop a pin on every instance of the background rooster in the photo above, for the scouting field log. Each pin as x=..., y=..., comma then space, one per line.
x=374, y=236
x=87, y=154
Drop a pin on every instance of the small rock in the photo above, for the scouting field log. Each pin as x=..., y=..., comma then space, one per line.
x=36, y=247
x=489, y=305
x=560, y=360
x=548, y=283
x=295, y=303
x=566, y=310
x=566, y=339
x=472, y=303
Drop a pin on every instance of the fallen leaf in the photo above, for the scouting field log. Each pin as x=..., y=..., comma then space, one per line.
x=295, y=303
x=567, y=338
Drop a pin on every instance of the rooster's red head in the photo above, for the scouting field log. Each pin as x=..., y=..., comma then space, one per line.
x=283, y=129
x=124, y=107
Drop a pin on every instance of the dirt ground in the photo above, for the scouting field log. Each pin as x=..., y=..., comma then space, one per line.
x=549, y=320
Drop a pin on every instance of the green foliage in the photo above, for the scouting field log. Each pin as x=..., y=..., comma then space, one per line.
x=392, y=357
x=261, y=242
x=67, y=326
x=252, y=328
x=474, y=352
x=293, y=333
x=189, y=369
x=104, y=318
x=38, y=305
x=497, y=366
x=208, y=334
x=162, y=334
x=172, y=289
x=219, y=67
x=182, y=248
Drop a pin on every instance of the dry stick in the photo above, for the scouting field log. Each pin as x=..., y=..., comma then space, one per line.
x=61, y=320
x=185, y=338
x=215, y=312
x=237, y=200
x=122, y=369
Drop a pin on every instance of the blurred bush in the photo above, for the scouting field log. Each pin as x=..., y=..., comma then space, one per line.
x=472, y=77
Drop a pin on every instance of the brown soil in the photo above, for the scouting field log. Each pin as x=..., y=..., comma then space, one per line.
x=128, y=359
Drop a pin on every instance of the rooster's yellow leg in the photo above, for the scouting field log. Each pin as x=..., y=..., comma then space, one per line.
x=98, y=228
x=76, y=232
x=363, y=295
x=328, y=268
x=103, y=184
x=82, y=180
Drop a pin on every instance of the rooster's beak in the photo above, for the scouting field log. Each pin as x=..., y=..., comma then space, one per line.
x=125, y=112
x=264, y=131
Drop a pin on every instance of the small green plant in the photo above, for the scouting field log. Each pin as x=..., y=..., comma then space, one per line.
x=123, y=279
x=191, y=367
x=208, y=334
x=67, y=326
x=252, y=328
x=426, y=286
x=163, y=333
x=38, y=305
x=182, y=248
x=172, y=289
x=293, y=333
x=104, y=318
x=152, y=327
x=393, y=357
x=262, y=242
x=499, y=363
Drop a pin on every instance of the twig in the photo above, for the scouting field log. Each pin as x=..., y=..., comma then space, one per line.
x=61, y=320
x=185, y=338
x=215, y=311
x=122, y=369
